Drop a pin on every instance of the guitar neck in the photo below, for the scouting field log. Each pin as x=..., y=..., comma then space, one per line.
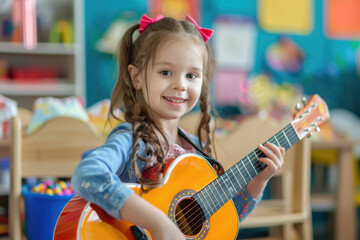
x=218, y=192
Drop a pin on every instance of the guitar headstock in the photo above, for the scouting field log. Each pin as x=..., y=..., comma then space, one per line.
x=311, y=116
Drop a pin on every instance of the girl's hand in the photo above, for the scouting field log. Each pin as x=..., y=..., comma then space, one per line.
x=274, y=160
x=140, y=212
x=164, y=229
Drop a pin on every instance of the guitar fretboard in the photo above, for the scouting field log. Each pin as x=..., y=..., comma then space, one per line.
x=212, y=197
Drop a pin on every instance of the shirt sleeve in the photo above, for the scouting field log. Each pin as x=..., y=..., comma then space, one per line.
x=96, y=176
x=244, y=204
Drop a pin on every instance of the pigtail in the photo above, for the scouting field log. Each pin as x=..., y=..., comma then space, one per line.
x=204, y=132
x=123, y=91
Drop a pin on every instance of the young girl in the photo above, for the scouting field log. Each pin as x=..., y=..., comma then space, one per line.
x=164, y=70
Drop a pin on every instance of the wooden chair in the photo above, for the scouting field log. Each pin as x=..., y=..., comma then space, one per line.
x=288, y=213
x=52, y=151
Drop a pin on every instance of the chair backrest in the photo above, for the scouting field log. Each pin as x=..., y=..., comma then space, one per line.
x=53, y=150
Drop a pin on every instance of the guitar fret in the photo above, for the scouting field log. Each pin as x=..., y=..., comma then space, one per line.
x=233, y=188
x=223, y=185
x=225, y=177
x=207, y=199
x=242, y=177
x=251, y=164
x=221, y=195
x=295, y=136
x=217, y=205
x=214, y=199
x=238, y=183
x=204, y=206
x=286, y=138
x=277, y=141
x=246, y=170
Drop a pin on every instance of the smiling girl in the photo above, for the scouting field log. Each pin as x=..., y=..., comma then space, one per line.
x=163, y=73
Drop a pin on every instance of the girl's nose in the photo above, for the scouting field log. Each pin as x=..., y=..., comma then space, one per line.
x=180, y=83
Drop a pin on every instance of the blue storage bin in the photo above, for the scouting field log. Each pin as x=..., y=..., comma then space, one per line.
x=41, y=213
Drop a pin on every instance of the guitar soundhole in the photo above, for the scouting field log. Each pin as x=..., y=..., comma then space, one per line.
x=188, y=215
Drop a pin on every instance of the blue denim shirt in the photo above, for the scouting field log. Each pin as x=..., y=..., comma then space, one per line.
x=101, y=176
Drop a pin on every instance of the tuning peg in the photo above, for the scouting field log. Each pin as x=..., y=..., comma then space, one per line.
x=310, y=134
x=304, y=100
x=317, y=129
x=297, y=107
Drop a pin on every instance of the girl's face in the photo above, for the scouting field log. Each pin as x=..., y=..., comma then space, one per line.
x=174, y=83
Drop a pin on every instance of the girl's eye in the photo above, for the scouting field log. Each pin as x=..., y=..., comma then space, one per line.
x=191, y=76
x=165, y=73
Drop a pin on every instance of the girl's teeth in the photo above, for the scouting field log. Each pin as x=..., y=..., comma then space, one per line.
x=174, y=100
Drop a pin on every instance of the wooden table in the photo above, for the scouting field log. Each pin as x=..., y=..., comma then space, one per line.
x=345, y=209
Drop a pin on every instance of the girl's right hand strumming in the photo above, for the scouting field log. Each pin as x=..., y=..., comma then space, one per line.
x=142, y=213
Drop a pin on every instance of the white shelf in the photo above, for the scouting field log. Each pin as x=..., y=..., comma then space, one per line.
x=57, y=89
x=41, y=48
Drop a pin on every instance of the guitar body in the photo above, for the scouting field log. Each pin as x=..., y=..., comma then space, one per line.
x=185, y=176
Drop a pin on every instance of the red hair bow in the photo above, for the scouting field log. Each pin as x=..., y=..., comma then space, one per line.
x=205, y=32
x=146, y=21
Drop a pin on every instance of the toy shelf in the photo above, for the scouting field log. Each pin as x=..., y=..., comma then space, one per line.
x=54, y=67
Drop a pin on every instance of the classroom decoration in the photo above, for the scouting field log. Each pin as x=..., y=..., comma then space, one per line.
x=270, y=98
x=235, y=42
x=230, y=87
x=283, y=16
x=62, y=31
x=8, y=109
x=29, y=24
x=342, y=18
x=48, y=107
x=285, y=56
x=24, y=23
x=175, y=8
x=109, y=42
x=99, y=116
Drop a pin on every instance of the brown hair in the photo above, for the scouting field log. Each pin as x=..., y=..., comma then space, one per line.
x=140, y=53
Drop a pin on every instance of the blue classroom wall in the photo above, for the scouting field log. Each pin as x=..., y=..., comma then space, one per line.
x=329, y=68
x=101, y=68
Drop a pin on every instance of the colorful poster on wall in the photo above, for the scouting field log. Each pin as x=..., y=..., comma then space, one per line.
x=235, y=42
x=284, y=16
x=284, y=56
x=175, y=8
x=342, y=18
x=231, y=87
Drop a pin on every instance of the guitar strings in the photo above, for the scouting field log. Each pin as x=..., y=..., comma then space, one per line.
x=258, y=151
x=257, y=163
x=250, y=178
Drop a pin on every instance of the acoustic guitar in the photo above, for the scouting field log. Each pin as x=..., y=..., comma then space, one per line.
x=193, y=195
